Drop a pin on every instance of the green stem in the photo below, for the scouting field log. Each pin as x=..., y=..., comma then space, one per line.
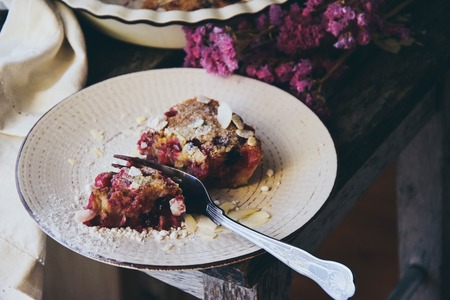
x=336, y=66
x=393, y=12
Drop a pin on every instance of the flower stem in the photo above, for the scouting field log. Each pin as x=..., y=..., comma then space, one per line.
x=393, y=12
x=333, y=69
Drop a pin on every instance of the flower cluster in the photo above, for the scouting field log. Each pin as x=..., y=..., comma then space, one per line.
x=294, y=46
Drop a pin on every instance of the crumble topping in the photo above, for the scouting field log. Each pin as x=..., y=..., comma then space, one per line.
x=203, y=136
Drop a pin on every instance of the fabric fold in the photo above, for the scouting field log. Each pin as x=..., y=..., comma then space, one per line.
x=42, y=61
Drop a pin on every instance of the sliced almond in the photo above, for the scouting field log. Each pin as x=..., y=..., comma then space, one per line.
x=190, y=223
x=97, y=134
x=252, y=141
x=224, y=114
x=203, y=99
x=265, y=188
x=206, y=234
x=97, y=152
x=82, y=216
x=141, y=120
x=246, y=134
x=157, y=123
x=72, y=162
x=204, y=223
x=227, y=206
x=238, y=214
x=256, y=219
x=237, y=120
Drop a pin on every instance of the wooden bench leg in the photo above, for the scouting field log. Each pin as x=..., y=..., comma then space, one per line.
x=423, y=185
x=274, y=284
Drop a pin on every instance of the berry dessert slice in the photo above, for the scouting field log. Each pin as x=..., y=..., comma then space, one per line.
x=137, y=198
x=205, y=138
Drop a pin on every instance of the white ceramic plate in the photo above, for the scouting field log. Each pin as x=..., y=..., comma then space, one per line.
x=61, y=156
x=162, y=29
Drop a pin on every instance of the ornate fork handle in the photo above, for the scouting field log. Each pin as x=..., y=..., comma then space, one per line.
x=334, y=278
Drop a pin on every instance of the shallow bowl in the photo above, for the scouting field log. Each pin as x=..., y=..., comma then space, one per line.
x=161, y=29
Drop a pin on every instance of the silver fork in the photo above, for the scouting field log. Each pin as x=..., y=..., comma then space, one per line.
x=334, y=278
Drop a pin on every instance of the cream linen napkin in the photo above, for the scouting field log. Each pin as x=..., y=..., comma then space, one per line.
x=42, y=61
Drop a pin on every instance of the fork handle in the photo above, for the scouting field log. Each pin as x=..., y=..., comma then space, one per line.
x=334, y=278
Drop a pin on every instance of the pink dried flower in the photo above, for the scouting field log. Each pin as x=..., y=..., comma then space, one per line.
x=284, y=72
x=298, y=33
x=276, y=15
x=261, y=72
x=212, y=48
x=345, y=41
x=300, y=81
x=337, y=18
x=310, y=6
x=290, y=46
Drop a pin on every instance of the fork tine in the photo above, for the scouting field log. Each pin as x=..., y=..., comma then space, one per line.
x=139, y=161
x=119, y=166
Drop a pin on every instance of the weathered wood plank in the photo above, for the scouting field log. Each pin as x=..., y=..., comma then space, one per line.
x=412, y=278
x=445, y=262
x=68, y=275
x=424, y=202
x=190, y=282
x=420, y=207
x=273, y=284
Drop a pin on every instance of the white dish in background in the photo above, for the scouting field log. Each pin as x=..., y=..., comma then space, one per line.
x=152, y=28
x=58, y=161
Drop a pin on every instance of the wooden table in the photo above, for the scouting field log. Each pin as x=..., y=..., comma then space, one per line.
x=390, y=107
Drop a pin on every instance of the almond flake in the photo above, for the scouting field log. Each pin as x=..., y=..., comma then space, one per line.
x=97, y=152
x=133, y=171
x=237, y=121
x=72, y=162
x=245, y=133
x=227, y=206
x=205, y=234
x=197, y=123
x=141, y=120
x=203, y=99
x=82, y=216
x=265, y=188
x=224, y=114
x=157, y=123
x=252, y=141
x=190, y=223
x=97, y=134
x=168, y=247
x=203, y=130
x=163, y=233
x=242, y=213
x=205, y=223
x=256, y=219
